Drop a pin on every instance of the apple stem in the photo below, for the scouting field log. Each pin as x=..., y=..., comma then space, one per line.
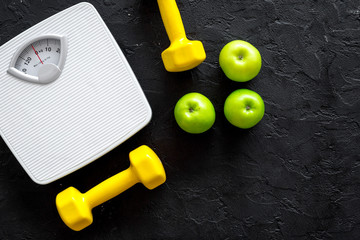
x=191, y=110
x=247, y=107
x=241, y=57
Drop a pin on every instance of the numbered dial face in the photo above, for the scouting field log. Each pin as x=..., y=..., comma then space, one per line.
x=35, y=55
x=40, y=60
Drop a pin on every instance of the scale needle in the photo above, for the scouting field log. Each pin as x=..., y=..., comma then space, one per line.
x=36, y=53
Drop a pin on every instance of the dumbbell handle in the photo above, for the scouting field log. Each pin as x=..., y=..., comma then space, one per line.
x=172, y=19
x=111, y=187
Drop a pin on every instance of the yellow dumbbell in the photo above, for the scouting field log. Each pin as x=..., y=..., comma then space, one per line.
x=182, y=54
x=75, y=207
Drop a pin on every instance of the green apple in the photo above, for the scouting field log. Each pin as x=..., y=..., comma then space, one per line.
x=240, y=61
x=244, y=108
x=194, y=113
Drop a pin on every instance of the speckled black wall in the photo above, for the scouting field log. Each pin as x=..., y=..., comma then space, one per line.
x=296, y=175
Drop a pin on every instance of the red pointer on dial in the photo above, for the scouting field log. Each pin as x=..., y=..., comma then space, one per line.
x=36, y=54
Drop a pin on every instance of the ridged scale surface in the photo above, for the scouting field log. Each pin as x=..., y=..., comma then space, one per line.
x=95, y=105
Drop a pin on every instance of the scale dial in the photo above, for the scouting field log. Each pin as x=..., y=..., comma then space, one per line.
x=40, y=60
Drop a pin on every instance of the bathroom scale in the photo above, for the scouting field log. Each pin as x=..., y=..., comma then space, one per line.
x=67, y=94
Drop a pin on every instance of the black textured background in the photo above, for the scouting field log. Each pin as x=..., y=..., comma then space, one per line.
x=296, y=175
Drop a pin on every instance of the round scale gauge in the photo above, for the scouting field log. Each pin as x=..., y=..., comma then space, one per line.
x=40, y=60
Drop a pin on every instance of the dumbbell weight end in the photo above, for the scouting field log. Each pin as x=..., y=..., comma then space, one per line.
x=183, y=54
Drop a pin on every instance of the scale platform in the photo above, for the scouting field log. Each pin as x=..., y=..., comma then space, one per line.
x=67, y=94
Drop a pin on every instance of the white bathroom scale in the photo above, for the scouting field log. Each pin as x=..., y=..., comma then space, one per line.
x=67, y=94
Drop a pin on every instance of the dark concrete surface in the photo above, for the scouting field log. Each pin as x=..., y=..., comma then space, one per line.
x=296, y=175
